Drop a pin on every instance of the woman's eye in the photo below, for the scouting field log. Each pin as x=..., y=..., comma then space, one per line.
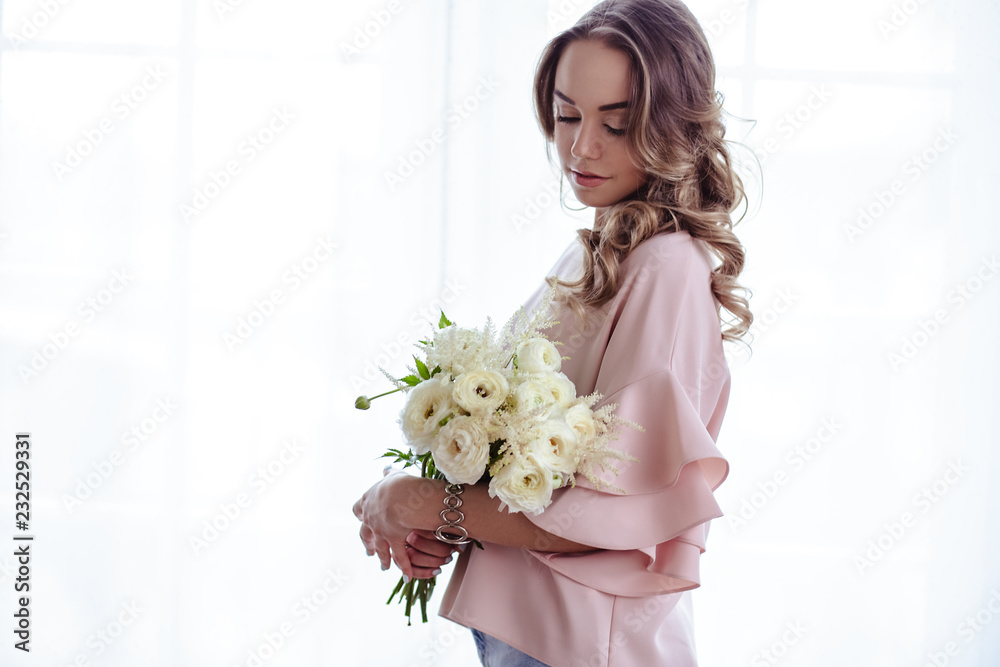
x=572, y=119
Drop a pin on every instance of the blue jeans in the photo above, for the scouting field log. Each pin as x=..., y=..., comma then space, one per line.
x=495, y=653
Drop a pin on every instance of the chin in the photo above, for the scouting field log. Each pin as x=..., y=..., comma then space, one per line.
x=594, y=200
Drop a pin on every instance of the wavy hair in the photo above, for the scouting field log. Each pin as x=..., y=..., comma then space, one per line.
x=675, y=135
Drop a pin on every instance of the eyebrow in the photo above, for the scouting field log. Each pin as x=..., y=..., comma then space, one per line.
x=603, y=107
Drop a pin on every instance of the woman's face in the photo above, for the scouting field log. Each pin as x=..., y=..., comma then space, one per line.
x=591, y=92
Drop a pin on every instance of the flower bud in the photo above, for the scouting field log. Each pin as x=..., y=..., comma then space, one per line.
x=362, y=403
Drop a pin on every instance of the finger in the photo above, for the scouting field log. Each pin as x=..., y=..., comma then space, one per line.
x=430, y=535
x=432, y=547
x=368, y=539
x=425, y=573
x=386, y=470
x=357, y=509
x=420, y=559
x=399, y=557
x=382, y=550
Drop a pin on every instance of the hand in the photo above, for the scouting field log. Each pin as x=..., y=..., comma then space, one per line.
x=427, y=554
x=382, y=531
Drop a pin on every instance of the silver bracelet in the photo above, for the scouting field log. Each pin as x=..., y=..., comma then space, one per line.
x=450, y=531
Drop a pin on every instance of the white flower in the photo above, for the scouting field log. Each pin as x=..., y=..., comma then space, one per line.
x=537, y=355
x=554, y=445
x=480, y=391
x=426, y=405
x=561, y=387
x=461, y=450
x=580, y=418
x=458, y=350
x=524, y=484
x=533, y=394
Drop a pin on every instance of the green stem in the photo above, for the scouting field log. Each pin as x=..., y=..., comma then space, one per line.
x=372, y=398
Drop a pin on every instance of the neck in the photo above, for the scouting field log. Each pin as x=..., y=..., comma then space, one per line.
x=599, y=216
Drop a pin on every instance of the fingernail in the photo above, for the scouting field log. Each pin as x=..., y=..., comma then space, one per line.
x=406, y=579
x=436, y=572
x=384, y=567
x=463, y=547
x=448, y=559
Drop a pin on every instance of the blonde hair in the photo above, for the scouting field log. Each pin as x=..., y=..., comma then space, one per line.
x=675, y=133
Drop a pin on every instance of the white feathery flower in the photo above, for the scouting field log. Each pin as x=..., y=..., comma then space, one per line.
x=458, y=350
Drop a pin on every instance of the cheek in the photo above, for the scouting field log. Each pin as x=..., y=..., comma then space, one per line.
x=562, y=143
x=635, y=174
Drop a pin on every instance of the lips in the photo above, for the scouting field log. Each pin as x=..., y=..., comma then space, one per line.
x=586, y=179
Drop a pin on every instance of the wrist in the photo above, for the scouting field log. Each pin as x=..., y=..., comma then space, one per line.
x=417, y=502
x=451, y=531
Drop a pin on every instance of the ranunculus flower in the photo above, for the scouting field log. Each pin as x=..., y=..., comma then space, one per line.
x=533, y=394
x=554, y=445
x=562, y=388
x=524, y=484
x=480, y=391
x=426, y=405
x=537, y=355
x=461, y=450
x=580, y=418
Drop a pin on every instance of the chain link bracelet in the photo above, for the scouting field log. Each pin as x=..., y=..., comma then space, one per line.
x=451, y=532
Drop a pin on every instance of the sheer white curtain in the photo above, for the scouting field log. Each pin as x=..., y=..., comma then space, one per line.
x=217, y=219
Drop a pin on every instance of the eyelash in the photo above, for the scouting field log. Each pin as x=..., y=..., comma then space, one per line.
x=569, y=119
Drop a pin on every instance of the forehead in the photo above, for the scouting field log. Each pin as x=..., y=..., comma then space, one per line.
x=592, y=74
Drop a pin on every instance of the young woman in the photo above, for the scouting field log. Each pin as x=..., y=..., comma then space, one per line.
x=628, y=98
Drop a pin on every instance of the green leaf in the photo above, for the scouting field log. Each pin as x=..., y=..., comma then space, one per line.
x=406, y=458
x=437, y=369
x=411, y=380
x=444, y=321
x=422, y=369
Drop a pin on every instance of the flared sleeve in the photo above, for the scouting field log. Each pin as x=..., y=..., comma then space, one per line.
x=656, y=351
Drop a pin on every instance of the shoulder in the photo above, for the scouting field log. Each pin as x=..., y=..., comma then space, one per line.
x=665, y=299
x=667, y=268
x=666, y=318
x=672, y=254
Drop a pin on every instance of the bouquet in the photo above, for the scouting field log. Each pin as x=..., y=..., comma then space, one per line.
x=484, y=407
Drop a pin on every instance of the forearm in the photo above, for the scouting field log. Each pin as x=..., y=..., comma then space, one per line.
x=423, y=502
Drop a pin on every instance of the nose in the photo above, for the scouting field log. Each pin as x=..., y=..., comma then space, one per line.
x=587, y=144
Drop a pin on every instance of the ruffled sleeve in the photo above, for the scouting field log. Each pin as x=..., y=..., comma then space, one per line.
x=656, y=351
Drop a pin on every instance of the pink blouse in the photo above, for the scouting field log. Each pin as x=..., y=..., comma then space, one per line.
x=656, y=350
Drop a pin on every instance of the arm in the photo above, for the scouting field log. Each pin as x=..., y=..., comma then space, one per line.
x=401, y=503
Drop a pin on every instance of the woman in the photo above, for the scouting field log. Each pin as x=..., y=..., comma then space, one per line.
x=602, y=578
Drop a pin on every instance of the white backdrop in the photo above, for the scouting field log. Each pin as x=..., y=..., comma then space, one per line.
x=217, y=218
